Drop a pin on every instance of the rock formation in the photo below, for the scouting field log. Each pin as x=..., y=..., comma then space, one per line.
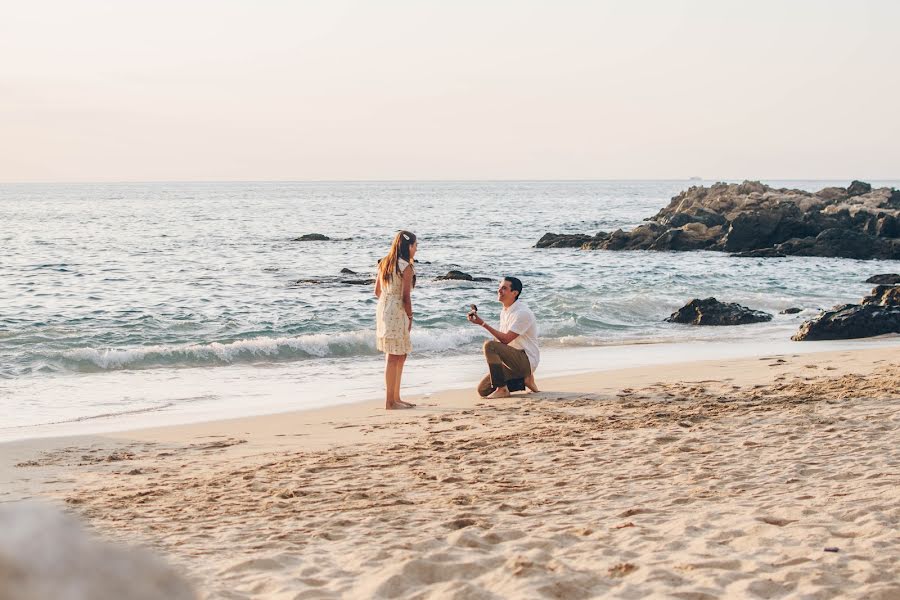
x=710, y=311
x=877, y=314
x=756, y=220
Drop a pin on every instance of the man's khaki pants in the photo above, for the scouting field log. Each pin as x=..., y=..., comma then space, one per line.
x=504, y=363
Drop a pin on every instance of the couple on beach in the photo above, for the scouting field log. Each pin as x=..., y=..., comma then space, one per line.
x=512, y=356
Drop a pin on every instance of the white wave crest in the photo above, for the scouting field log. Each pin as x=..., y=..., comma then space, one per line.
x=353, y=343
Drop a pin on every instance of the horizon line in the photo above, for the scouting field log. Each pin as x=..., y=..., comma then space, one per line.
x=504, y=180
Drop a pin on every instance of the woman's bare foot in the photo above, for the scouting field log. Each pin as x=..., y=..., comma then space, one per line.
x=396, y=405
x=530, y=384
x=405, y=403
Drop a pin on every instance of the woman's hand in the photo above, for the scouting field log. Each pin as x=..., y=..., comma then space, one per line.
x=409, y=318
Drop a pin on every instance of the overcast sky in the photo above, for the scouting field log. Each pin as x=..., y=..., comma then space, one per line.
x=342, y=89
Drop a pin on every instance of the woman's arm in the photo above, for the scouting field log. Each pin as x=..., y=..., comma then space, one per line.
x=407, y=292
x=377, y=286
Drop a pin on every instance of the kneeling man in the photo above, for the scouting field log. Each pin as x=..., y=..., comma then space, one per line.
x=513, y=354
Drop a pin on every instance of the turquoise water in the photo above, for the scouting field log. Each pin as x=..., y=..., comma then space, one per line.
x=190, y=281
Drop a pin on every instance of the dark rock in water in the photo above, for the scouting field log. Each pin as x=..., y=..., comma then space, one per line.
x=312, y=237
x=858, y=188
x=884, y=279
x=878, y=314
x=346, y=271
x=358, y=281
x=455, y=276
x=843, y=243
x=640, y=238
x=332, y=281
x=562, y=240
x=710, y=311
x=847, y=244
x=761, y=253
x=791, y=311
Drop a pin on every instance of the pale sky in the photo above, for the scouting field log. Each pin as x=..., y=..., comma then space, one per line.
x=135, y=90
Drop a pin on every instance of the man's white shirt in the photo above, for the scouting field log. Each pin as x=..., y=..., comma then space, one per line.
x=518, y=318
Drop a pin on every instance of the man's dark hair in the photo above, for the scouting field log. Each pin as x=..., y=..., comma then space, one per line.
x=515, y=284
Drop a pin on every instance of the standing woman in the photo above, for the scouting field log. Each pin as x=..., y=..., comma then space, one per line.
x=393, y=317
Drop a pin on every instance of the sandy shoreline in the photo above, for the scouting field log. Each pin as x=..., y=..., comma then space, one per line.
x=693, y=480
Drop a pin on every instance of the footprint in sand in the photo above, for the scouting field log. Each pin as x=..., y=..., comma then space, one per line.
x=777, y=521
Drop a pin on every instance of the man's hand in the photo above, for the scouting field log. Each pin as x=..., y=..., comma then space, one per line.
x=474, y=318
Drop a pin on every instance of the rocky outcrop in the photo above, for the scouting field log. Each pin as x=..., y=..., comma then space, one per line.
x=884, y=279
x=877, y=314
x=756, y=220
x=710, y=311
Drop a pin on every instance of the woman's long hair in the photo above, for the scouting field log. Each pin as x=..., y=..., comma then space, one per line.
x=387, y=266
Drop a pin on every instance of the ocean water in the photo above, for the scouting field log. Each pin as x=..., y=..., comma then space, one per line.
x=163, y=302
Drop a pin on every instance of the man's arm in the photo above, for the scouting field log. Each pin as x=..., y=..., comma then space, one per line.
x=500, y=336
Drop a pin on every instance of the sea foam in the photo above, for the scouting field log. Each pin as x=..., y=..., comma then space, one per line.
x=258, y=349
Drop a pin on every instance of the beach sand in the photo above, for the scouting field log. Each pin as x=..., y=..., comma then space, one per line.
x=767, y=477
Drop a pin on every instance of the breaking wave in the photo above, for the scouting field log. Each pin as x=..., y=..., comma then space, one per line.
x=255, y=350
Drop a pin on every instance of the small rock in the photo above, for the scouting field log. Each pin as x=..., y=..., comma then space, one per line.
x=710, y=311
x=831, y=549
x=307, y=282
x=346, y=271
x=312, y=237
x=455, y=276
x=791, y=311
x=358, y=281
